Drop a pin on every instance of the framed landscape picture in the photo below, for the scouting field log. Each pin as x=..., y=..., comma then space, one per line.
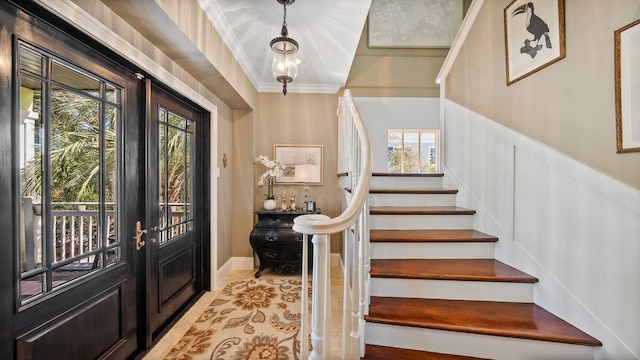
x=303, y=164
x=534, y=36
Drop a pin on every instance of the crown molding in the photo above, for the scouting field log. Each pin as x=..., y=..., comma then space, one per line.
x=213, y=11
x=276, y=87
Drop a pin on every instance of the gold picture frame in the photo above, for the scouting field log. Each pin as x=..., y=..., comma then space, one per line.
x=303, y=164
x=627, y=47
x=534, y=36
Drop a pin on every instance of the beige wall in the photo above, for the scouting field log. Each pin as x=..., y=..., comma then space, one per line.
x=394, y=72
x=299, y=119
x=568, y=105
x=244, y=186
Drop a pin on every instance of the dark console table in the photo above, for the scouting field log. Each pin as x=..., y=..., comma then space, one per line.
x=276, y=244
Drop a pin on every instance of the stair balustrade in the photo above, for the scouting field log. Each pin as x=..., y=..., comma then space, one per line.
x=355, y=157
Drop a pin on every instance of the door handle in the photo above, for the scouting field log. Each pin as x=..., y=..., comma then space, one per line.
x=139, y=232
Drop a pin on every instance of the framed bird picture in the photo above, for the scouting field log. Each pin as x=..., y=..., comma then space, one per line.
x=534, y=36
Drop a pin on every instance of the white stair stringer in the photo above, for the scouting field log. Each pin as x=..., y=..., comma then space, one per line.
x=452, y=289
x=391, y=199
x=430, y=250
x=471, y=344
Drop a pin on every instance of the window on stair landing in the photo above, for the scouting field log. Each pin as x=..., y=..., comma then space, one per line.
x=412, y=151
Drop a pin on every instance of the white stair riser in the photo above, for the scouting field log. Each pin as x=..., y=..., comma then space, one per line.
x=412, y=199
x=391, y=182
x=421, y=222
x=468, y=344
x=480, y=250
x=452, y=289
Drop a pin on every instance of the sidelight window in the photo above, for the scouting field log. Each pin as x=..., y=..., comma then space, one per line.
x=69, y=122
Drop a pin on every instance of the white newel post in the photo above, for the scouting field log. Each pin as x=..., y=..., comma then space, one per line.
x=321, y=299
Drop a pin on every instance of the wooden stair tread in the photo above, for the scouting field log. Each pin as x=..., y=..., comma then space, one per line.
x=430, y=236
x=449, y=269
x=420, y=210
x=376, y=352
x=517, y=320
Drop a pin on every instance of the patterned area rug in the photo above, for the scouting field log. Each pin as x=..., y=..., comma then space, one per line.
x=257, y=319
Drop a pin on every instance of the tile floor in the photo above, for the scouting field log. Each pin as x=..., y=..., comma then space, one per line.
x=162, y=347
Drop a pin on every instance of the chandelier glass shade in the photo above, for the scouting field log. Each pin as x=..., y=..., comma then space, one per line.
x=285, y=63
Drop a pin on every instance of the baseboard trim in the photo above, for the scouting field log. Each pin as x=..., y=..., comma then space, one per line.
x=242, y=263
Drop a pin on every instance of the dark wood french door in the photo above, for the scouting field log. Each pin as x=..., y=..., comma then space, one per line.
x=103, y=180
x=69, y=117
x=175, y=185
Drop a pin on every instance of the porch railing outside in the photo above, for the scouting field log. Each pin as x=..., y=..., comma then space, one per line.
x=75, y=228
x=355, y=157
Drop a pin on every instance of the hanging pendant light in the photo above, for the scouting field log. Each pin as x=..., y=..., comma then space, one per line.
x=284, y=66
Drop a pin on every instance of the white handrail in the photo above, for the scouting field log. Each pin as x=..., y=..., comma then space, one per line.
x=353, y=222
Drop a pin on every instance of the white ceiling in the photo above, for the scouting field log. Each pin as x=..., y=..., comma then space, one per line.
x=328, y=32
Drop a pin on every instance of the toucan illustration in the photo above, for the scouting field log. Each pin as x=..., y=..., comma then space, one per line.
x=535, y=25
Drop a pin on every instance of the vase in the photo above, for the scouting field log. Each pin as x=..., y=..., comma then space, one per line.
x=269, y=204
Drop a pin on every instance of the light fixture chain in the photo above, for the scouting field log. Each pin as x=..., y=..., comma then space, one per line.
x=284, y=18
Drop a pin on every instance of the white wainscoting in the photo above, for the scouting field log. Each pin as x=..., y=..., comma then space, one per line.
x=576, y=229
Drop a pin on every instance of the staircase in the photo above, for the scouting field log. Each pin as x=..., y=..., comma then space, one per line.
x=436, y=291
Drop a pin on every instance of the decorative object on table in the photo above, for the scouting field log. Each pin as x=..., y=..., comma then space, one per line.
x=292, y=205
x=274, y=168
x=311, y=206
x=627, y=68
x=414, y=23
x=276, y=244
x=285, y=63
x=303, y=174
x=298, y=158
x=533, y=35
x=284, y=206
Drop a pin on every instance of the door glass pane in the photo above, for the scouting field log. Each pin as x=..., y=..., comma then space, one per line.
x=74, y=168
x=188, y=179
x=112, y=94
x=175, y=183
x=31, y=62
x=162, y=173
x=74, y=79
x=73, y=270
x=111, y=165
x=31, y=168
